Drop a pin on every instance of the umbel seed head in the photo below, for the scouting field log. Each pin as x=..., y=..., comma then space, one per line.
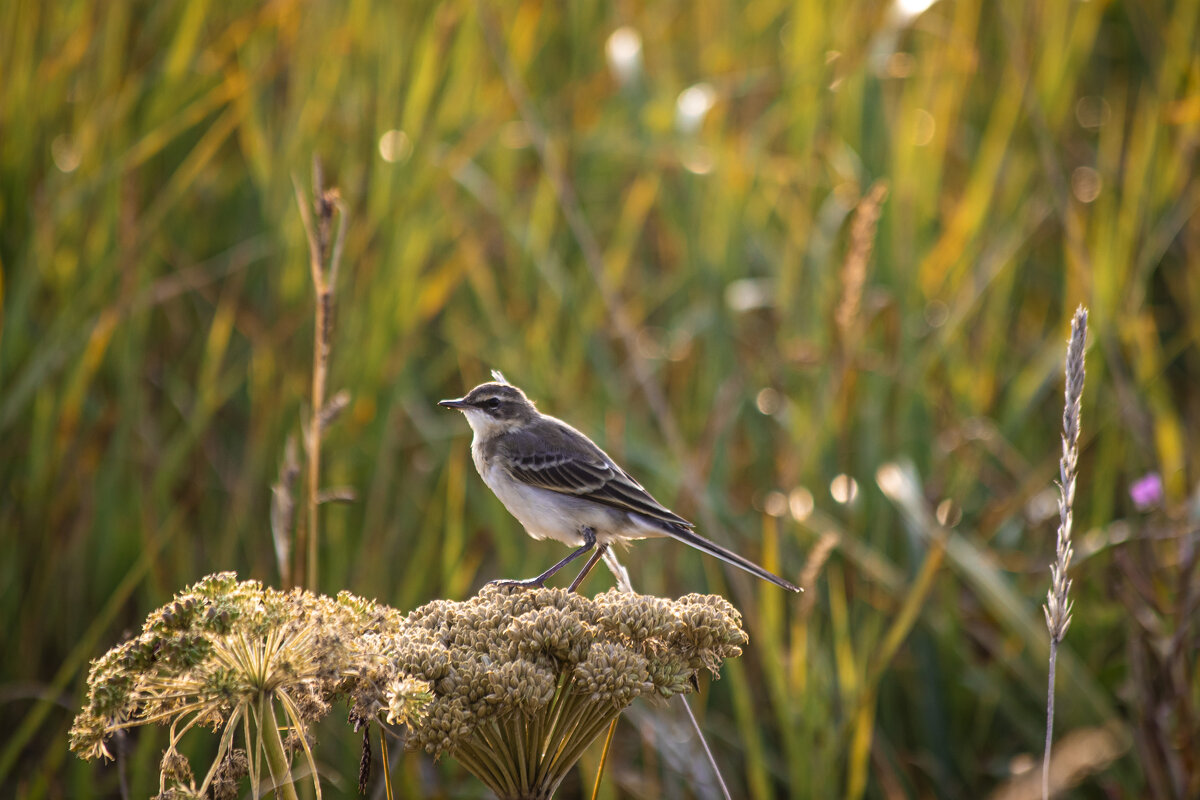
x=514, y=684
x=510, y=663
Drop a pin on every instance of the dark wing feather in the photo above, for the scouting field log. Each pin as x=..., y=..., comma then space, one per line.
x=552, y=455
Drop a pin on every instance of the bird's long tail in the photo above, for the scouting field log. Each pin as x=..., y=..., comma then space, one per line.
x=687, y=536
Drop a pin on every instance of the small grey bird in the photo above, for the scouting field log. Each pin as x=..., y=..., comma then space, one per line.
x=560, y=485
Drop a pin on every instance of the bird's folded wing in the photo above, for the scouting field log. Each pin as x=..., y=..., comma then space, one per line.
x=579, y=471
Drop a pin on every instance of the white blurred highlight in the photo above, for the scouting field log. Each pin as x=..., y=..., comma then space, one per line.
x=800, y=503
x=693, y=106
x=624, y=52
x=844, y=489
x=910, y=9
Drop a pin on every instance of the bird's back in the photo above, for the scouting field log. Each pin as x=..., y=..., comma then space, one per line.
x=550, y=454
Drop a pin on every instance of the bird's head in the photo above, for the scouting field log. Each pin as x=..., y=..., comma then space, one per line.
x=494, y=408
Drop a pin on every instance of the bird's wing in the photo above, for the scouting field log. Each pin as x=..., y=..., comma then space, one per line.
x=554, y=456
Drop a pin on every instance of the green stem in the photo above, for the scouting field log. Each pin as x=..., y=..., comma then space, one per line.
x=515, y=726
x=497, y=749
x=482, y=754
x=473, y=759
x=567, y=724
x=586, y=734
x=588, y=725
x=551, y=737
x=277, y=760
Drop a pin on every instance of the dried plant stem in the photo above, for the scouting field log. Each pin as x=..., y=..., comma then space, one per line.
x=387, y=763
x=1058, y=604
x=712, y=761
x=612, y=728
x=1049, y=719
x=324, y=260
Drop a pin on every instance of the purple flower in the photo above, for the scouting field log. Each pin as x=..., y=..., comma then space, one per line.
x=1147, y=491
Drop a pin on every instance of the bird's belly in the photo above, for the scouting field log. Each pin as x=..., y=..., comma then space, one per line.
x=552, y=515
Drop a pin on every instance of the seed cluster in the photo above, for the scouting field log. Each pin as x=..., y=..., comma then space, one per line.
x=511, y=650
x=514, y=683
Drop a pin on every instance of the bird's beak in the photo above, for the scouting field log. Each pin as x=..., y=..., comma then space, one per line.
x=459, y=403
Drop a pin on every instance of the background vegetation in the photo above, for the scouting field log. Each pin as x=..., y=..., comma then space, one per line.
x=681, y=276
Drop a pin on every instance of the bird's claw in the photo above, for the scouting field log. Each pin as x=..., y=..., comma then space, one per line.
x=532, y=583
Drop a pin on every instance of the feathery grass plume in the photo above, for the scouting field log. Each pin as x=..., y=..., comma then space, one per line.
x=1058, y=604
x=514, y=684
x=812, y=569
x=853, y=274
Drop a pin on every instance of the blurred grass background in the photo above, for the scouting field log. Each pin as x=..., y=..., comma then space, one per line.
x=732, y=336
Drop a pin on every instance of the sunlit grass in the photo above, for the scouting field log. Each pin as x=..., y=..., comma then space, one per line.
x=156, y=340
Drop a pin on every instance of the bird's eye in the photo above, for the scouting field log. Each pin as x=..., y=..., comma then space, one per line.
x=493, y=403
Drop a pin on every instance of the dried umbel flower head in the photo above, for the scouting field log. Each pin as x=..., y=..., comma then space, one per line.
x=514, y=684
x=240, y=659
x=524, y=680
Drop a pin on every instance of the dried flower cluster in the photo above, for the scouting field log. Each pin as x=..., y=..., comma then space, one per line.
x=235, y=657
x=515, y=684
x=525, y=680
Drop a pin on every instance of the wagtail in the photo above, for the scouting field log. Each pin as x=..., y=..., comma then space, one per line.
x=560, y=485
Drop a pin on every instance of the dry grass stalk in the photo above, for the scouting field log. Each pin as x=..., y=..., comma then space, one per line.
x=324, y=261
x=1058, y=604
x=854, y=269
x=812, y=570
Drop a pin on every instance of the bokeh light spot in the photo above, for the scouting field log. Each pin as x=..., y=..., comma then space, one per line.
x=948, y=513
x=395, y=147
x=924, y=126
x=908, y=9
x=1092, y=111
x=768, y=401
x=800, y=503
x=844, y=489
x=1086, y=184
x=693, y=105
x=65, y=153
x=775, y=504
x=624, y=53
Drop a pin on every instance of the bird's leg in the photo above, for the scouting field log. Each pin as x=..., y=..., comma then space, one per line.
x=589, y=541
x=591, y=562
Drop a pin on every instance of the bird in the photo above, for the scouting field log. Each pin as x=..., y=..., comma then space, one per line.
x=560, y=485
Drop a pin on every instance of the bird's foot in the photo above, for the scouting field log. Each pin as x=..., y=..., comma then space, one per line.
x=532, y=583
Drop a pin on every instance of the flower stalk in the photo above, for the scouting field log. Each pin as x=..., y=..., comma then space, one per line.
x=1058, y=603
x=278, y=765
